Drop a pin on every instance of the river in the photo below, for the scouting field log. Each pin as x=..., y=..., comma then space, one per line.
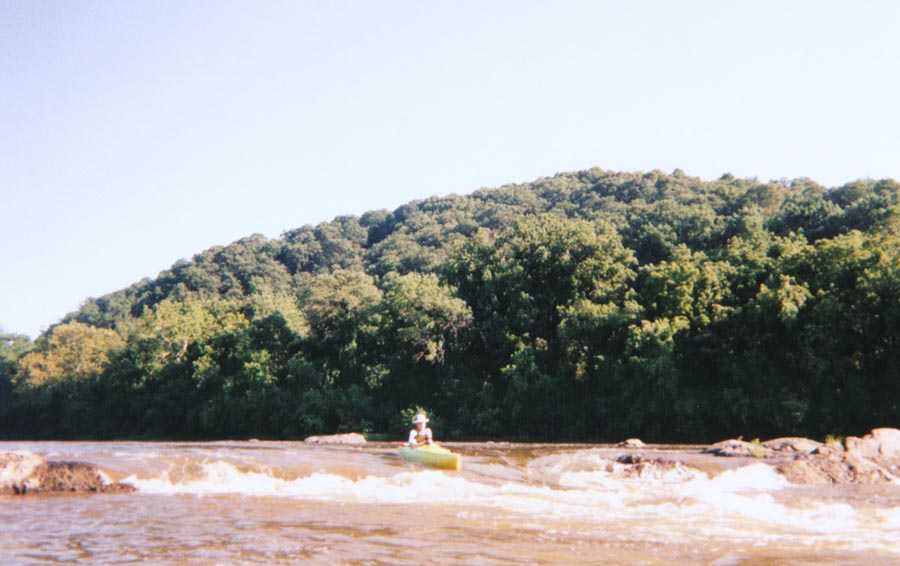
x=233, y=503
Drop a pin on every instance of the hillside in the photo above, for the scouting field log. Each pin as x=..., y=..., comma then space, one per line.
x=585, y=306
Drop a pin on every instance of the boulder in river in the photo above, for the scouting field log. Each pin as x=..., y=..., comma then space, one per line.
x=872, y=459
x=24, y=472
x=810, y=469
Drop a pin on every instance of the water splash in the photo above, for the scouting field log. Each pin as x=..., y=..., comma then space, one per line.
x=565, y=496
x=738, y=503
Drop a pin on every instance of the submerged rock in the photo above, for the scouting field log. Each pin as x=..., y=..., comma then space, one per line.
x=349, y=438
x=23, y=472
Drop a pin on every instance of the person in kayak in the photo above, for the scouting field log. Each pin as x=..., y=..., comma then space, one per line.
x=421, y=434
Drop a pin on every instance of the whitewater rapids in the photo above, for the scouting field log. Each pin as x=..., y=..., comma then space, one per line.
x=294, y=503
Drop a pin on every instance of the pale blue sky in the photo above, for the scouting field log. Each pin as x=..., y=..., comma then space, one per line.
x=138, y=133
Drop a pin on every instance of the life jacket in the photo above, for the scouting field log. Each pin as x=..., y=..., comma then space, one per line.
x=421, y=438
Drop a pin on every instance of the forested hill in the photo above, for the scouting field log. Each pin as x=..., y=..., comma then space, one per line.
x=586, y=306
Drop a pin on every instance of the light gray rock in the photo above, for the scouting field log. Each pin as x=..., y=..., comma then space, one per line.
x=738, y=448
x=792, y=444
x=881, y=443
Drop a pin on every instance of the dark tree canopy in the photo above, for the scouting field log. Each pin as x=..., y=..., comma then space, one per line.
x=585, y=306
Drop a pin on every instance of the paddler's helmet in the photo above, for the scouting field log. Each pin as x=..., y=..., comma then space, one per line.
x=420, y=418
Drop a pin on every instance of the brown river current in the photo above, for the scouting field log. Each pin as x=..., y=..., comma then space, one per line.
x=291, y=503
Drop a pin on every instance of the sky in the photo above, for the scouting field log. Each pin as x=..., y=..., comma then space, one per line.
x=135, y=134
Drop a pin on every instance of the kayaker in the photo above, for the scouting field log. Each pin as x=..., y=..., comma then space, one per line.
x=421, y=434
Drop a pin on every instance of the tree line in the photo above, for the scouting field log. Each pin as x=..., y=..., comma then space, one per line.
x=592, y=306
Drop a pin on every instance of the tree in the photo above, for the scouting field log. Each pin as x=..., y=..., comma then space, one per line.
x=586, y=305
x=69, y=354
x=12, y=348
x=519, y=286
x=57, y=382
x=342, y=310
x=424, y=316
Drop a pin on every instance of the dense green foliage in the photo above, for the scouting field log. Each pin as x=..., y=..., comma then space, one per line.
x=586, y=306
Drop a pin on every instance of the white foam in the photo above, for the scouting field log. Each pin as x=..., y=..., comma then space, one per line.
x=889, y=519
x=747, y=494
x=737, y=505
x=757, y=477
x=219, y=477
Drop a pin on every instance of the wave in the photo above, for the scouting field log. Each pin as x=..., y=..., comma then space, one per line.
x=220, y=477
x=738, y=503
x=584, y=492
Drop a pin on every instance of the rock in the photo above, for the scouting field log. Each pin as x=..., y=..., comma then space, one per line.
x=638, y=467
x=809, y=469
x=69, y=476
x=738, y=448
x=631, y=459
x=118, y=487
x=632, y=443
x=872, y=459
x=881, y=443
x=22, y=473
x=829, y=449
x=349, y=438
x=16, y=469
x=792, y=444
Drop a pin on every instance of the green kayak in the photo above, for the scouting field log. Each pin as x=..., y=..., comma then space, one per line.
x=431, y=455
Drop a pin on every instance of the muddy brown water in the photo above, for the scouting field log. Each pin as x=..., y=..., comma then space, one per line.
x=292, y=503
